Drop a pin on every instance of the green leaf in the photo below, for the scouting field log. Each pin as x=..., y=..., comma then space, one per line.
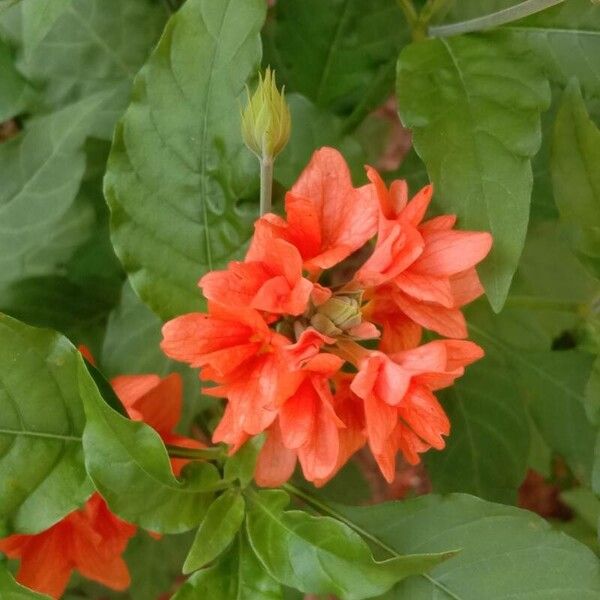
x=340, y=54
x=13, y=88
x=11, y=590
x=505, y=552
x=566, y=39
x=553, y=384
x=575, y=176
x=68, y=277
x=92, y=46
x=487, y=451
x=222, y=521
x=474, y=106
x=41, y=422
x=178, y=168
x=242, y=464
x=129, y=466
x=38, y=18
x=490, y=407
x=321, y=555
x=41, y=170
x=132, y=340
x=238, y=574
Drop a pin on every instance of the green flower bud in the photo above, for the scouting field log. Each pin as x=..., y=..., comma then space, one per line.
x=338, y=314
x=266, y=121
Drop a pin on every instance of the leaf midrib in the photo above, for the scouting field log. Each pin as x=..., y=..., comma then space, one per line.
x=203, y=189
x=40, y=434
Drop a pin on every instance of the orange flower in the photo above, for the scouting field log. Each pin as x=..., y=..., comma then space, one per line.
x=89, y=540
x=158, y=403
x=275, y=342
x=426, y=269
x=271, y=281
x=401, y=411
x=327, y=218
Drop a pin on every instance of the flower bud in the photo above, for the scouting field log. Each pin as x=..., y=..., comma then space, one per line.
x=266, y=121
x=337, y=315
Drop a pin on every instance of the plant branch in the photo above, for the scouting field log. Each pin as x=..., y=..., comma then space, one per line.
x=409, y=11
x=507, y=15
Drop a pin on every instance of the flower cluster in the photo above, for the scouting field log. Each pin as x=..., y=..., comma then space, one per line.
x=314, y=337
x=91, y=540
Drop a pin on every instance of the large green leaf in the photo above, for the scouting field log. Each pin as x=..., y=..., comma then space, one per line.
x=488, y=447
x=38, y=18
x=11, y=590
x=566, y=38
x=178, y=168
x=553, y=385
x=575, y=175
x=129, y=465
x=340, y=54
x=238, y=574
x=69, y=278
x=321, y=555
x=91, y=46
x=505, y=552
x=474, y=106
x=487, y=451
x=41, y=170
x=41, y=422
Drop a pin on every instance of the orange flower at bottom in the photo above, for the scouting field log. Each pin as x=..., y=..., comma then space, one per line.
x=92, y=539
x=89, y=540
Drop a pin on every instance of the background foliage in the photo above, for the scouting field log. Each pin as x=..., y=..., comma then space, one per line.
x=124, y=178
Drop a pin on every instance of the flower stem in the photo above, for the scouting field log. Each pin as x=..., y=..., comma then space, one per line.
x=409, y=11
x=195, y=453
x=266, y=184
x=501, y=17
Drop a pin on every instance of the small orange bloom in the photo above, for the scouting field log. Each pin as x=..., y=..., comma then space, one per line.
x=89, y=540
x=426, y=269
x=401, y=412
x=158, y=403
x=327, y=218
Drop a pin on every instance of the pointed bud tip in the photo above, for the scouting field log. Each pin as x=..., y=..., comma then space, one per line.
x=266, y=120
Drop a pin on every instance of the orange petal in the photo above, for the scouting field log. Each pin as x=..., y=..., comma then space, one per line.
x=275, y=463
x=448, y=322
x=450, y=252
x=151, y=399
x=347, y=215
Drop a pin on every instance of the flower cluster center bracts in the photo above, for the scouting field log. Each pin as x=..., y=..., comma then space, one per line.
x=315, y=337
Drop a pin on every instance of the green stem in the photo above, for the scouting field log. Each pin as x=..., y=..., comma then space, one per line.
x=409, y=11
x=266, y=184
x=195, y=453
x=507, y=15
